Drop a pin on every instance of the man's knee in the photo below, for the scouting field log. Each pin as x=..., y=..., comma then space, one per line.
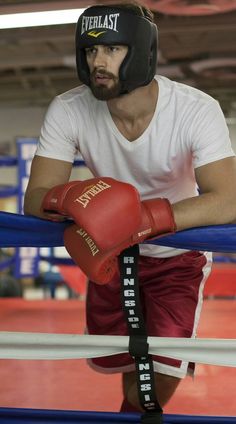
x=165, y=387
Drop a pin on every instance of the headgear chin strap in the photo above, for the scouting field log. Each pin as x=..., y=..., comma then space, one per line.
x=109, y=25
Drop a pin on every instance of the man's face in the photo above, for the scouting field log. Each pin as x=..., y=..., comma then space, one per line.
x=104, y=64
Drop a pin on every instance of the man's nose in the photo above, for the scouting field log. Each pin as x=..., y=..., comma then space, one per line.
x=99, y=60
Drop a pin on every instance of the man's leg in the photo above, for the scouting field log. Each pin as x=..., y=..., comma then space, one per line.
x=165, y=388
x=178, y=281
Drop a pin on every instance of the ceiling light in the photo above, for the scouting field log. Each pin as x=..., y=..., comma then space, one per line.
x=32, y=19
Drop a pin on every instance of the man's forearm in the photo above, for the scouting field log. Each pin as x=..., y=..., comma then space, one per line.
x=33, y=201
x=206, y=209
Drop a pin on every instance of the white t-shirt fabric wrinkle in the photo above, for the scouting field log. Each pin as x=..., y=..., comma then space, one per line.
x=187, y=130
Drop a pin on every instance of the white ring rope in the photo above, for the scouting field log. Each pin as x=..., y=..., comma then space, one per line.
x=17, y=345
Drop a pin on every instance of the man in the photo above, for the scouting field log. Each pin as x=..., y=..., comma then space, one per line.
x=165, y=139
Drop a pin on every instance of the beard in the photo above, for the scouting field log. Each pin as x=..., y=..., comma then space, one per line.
x=102, y=92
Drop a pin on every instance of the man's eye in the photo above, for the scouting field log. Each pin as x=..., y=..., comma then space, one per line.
x=113, y=48
x=90, y=51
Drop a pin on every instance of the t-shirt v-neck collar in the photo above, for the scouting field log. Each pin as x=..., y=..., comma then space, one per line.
x=144, y=135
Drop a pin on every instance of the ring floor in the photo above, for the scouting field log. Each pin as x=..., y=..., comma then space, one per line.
x=72, y=385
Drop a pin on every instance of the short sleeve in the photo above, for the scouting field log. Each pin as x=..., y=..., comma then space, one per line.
x=210, y=139
x=57, y=140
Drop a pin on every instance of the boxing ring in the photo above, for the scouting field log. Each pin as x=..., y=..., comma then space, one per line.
x=18, y=230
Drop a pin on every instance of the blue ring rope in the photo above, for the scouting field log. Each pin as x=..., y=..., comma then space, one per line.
x=19, y=415
x=7, y=263
x=8, y=191
x=8, y=161
x=57, y=261
x=13, y=160
x=27, y=231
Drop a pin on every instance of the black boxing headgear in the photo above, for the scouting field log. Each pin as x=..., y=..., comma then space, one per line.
x=107, y=25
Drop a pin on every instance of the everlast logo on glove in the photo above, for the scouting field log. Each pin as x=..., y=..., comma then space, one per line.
x=91, y=191
x=94, y=22
x=92, y=246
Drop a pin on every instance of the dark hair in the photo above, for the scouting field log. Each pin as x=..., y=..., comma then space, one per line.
x=136, y=7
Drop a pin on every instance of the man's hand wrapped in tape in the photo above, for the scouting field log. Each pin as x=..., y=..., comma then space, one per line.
x=109, y=217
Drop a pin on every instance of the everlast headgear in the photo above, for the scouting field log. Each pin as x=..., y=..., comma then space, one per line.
x=109, y=25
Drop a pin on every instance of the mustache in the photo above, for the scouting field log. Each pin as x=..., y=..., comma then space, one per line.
x=103, y=73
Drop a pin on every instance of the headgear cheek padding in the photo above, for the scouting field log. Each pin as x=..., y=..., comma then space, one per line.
x=106, y=25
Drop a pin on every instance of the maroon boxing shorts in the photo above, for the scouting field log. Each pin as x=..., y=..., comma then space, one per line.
x=171, y=294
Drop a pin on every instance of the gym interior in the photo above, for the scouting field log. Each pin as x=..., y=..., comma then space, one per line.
x=41, y=289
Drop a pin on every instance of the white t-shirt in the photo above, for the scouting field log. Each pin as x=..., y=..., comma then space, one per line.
x=187, y=130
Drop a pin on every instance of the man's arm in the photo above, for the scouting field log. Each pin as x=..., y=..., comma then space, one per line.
x=45, y=174
x=217, y=203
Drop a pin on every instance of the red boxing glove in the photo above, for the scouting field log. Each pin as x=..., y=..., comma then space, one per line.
x=157, y=220
x=101, y=265
x=106, y=209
